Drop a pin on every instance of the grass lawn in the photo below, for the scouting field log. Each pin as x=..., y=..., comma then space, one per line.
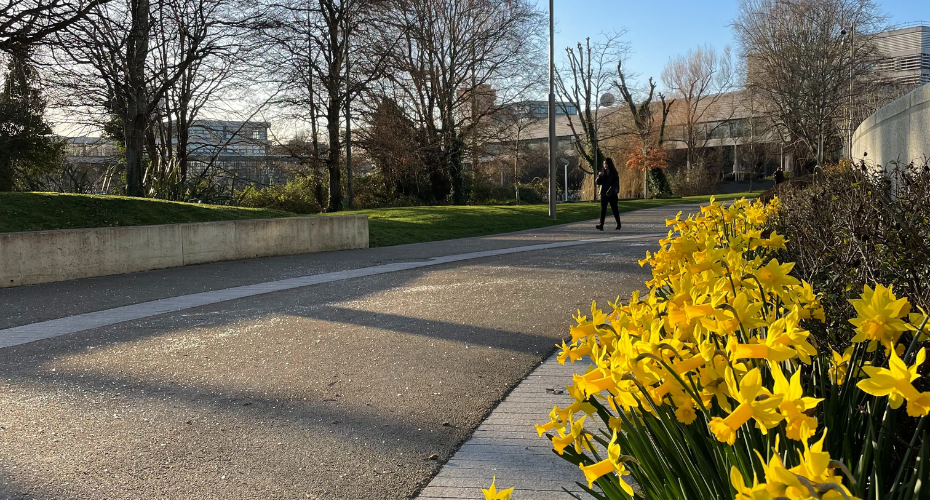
x=397, y=226
x=387, y=226
x=43, y=211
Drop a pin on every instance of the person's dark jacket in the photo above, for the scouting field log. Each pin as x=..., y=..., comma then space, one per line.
x=610, y=184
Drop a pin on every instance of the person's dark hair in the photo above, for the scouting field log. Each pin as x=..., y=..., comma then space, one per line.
x=610, y=165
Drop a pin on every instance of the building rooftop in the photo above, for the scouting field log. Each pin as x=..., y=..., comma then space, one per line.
x=84, y=139
x=227, y=123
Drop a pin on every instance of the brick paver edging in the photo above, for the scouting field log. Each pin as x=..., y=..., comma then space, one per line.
x=506, y=445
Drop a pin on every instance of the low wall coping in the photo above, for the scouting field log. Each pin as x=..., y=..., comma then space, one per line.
x=44, y=256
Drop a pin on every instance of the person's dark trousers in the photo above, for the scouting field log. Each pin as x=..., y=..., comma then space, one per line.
x=613, y=206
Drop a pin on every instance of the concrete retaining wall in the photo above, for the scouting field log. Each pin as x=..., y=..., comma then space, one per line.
x=898, y=132
x=45, y=256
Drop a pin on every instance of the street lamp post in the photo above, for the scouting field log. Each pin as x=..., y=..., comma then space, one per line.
x=552, y=186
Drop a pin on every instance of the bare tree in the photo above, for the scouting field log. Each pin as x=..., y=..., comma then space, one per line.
x=215, y=28
x=510, y=124
x=643, y=114
x=310, y=45
x=26, y=23
x=801, y=65
x=699, y=81
x=581, y=83
x=109, y=60
x=451, y=52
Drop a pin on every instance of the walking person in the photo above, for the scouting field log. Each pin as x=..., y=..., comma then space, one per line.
x=609, y=180
x=779, y=176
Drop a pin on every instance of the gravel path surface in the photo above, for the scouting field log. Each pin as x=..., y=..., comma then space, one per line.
x=356, y=389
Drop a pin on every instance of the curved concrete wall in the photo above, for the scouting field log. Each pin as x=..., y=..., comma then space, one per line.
x=898, y=132
x=45, y=256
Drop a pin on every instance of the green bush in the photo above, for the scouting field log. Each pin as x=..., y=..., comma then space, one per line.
x=659, y=186
x=493, y=194
x=305, y=194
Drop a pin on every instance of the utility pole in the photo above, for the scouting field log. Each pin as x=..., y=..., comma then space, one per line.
x=552, y=186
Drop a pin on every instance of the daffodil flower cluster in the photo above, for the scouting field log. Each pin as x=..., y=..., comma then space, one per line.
x=814, y=477
x=720, y=335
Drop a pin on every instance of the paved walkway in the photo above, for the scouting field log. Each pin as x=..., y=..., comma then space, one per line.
x=346, y=375
x=506, y=445
x=72, y=324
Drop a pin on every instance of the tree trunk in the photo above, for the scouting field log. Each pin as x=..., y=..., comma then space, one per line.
x=6, y=174
x=350, y=189
x=333, y=165
x=597, y=162
x=136, y=103
x=134, y=136
x=181, y=149
x=183, y=140
x=453, y=161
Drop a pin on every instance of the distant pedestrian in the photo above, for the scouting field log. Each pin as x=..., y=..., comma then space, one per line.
x=609, y=180
x=779, y=176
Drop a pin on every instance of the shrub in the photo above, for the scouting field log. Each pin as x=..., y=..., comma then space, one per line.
x=852, y=226
x=483, y=194
x=694, y=181
x=305, y=194
x=659, y=186
x=710, y=387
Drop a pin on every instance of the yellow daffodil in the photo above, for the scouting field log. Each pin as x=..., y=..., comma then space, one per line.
x=684, y=407
x=879, y=317
x=808, y=302
x=612, y=464
x=775, y=241
x=814, y=478
x=767, y=349
x=572, y=352
x=895, y=382
x=492, y=493
x=595, y=381
x=794, y=405
x=719, y=307
x=815, y=467
x=576, y=436
x=919, y=321
x=839, y=365
x=775, y=276
x=553, y=423
x=755, y=492
x=578, y=405
x=740, y=313
x=786, y=331
x=713, y=378
x=755, y=402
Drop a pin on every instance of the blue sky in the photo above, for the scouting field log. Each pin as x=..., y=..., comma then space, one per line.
x=659, y=29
